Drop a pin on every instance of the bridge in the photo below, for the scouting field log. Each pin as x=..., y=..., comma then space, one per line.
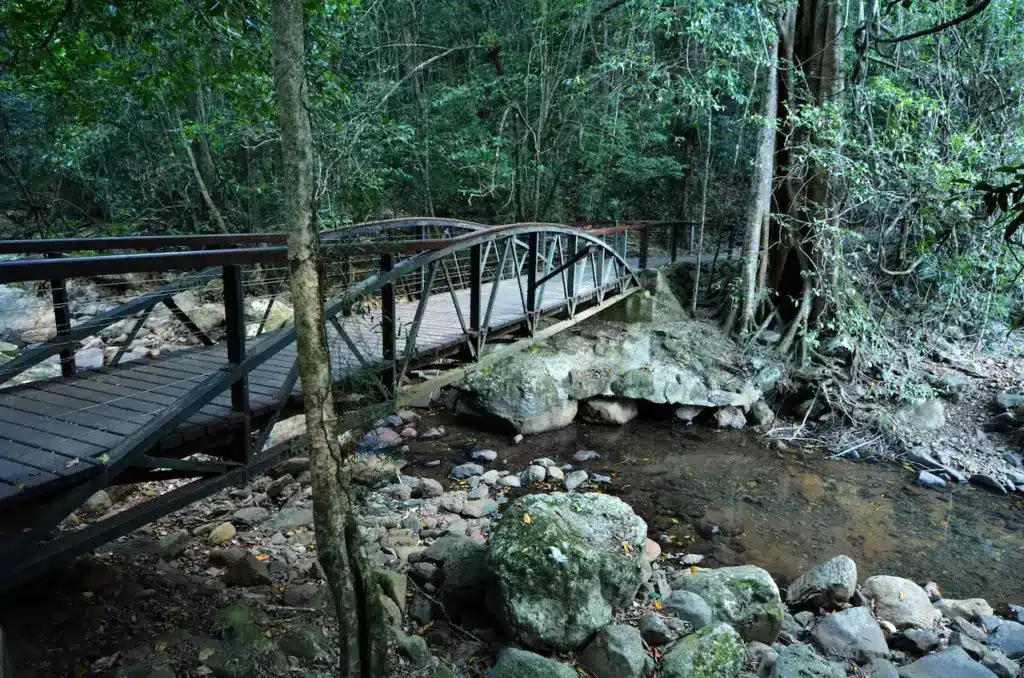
x=401, y=294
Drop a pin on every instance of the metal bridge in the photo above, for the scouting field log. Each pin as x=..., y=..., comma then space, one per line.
x=401, y=294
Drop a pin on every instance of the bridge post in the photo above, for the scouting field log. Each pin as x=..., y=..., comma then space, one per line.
x=573, y=245
x=674, y=242
x=475, y=293
x=62, y=320
x=387, y=326
x=645, y=246
x=532, y=257
x=235, y=320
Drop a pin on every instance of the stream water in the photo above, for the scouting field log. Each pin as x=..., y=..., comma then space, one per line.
x=736, y=498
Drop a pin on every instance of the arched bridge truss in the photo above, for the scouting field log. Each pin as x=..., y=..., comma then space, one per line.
x=400, y=294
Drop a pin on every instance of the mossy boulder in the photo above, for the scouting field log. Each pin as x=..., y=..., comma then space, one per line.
x=677, y=363
x=563, y=563
x=715, y=651
x=516, y=663
x=744, y=597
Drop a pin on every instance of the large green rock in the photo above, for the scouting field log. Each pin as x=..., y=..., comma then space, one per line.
x=617, y=651
x=675, y=363
x=744, y=597
x=715, y=651
x=515, y=663
x=562, y=564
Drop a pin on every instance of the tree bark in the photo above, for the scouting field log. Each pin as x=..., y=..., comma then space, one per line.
x=362, y=643
x=703, y=218
x=761, y=191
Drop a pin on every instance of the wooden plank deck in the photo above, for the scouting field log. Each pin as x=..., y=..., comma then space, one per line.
x=62, y=430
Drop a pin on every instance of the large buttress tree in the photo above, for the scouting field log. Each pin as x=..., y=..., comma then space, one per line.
x=362, y=641
x=792, y=197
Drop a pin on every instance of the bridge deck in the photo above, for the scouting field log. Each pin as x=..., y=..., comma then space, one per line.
x=58, y=432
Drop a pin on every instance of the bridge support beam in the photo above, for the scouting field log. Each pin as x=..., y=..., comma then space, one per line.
x=235, y=320
x=645, y=246
x=475, y=300
x=62, y=320
x=532, y=260
x=389, y=351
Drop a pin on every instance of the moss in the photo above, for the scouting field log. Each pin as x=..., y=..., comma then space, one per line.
x=712, y=652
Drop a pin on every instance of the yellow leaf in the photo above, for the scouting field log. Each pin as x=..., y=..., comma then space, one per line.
x=627, y=547
x=263, y=556
x=267, y=633
x=903, y=596
x=161, y=646
x=280, y=589
x=694, y=569
x=658, y=605
x=527, y=519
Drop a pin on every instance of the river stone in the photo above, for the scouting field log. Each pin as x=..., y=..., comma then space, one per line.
x=952, y=662
x=1008, y=638
x=745, y=597
x=655, y=631
x=561, y=566
x=852, y=634
x=712, y=652
x=800, y=661
x=689, y=607
x=930, y=480
x=467, y=470
x=615, y=411
x=678, y=363
x=927, y=416
x=761, y=413
x=900, y=601
x=516, y=663
x=687, y=413
x=575, y=479
x=1008, y=401
x=972, y=609
x=617, y=651
x=730, y=417
x=824, y=585
x=878, y=668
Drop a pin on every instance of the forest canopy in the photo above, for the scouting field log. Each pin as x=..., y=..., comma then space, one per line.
x=884, y=196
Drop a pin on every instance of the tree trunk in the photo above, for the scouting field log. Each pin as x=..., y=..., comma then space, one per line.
x=761, y=192
x=362, y=641
x=703, y=218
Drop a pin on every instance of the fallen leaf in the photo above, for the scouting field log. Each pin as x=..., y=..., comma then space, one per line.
x=206, y=653
x=903, y=596
x=263, y=556
x=527, y=519
x=161, y=646
x=658, y=605
x=694, y=569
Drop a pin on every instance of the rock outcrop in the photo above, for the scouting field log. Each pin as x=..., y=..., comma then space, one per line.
x=673, y=363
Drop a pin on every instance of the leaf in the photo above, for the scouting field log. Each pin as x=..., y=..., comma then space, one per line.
x=694, y=569
x=160, y=646
x=903, y=596
x=658, y=605
x=527, y=519
x=206, y=653
x=262, y=557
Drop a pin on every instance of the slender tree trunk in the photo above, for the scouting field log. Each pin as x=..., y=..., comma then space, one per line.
x=761, y=191
x=350, y=579
x=207, y=198
x=703, y=217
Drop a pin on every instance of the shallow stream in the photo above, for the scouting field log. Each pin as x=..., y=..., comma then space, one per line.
x=736, y=498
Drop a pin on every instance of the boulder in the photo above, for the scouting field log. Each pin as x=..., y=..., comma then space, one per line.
x=852, y=634
x=370, y=470
x=617, y=651
x=971, y=609
x=730, y=417
x=745, y=597
x=900, y=601
x=516, y=663
x=952, y=662
x=463, y=567
x=674, y=363
x=222, y=533
x=713, y=651
x=616, y=411
x=824, y=585
x=878, y=668
x=800, y=661
x=1008, y=638
x=575, y=479
x=687, y=413
x=281, y=314
x=689, y=607
x=655, y=631
x=467, y=470
x=761, y=413
x=97, y=504
x=563, y=563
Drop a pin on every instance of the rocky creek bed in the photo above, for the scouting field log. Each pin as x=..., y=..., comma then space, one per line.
x=680, y=554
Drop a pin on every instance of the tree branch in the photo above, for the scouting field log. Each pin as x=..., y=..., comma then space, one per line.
x=977, y=9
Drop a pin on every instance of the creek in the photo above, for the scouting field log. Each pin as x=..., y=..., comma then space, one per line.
x=735, y=497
